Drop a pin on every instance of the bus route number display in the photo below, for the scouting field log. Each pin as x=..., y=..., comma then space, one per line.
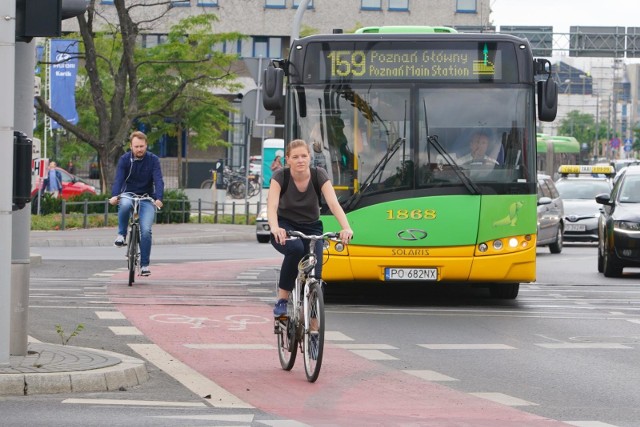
x=441, y=64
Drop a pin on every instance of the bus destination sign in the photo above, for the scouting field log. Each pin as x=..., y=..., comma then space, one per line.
x=437, y=64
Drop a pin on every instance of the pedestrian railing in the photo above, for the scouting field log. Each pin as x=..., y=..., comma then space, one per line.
x=173, y=211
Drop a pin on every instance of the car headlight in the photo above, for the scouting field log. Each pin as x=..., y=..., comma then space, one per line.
x=626, y=225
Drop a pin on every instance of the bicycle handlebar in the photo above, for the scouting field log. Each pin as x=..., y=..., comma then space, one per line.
x=332, y=235
x=134, y=196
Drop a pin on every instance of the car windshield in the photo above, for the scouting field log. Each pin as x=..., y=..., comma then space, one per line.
x=586, y=189
x=630, y=190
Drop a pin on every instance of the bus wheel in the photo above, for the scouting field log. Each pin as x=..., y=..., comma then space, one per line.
x=504, y=290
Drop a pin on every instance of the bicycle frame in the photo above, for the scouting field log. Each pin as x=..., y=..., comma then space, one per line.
x=134, y=234
x=306, y=304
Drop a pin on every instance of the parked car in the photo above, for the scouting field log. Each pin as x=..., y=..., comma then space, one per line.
x=619, y=224
x=71, y=186
x=578, y=187
x=263, y=232
x=550, y=215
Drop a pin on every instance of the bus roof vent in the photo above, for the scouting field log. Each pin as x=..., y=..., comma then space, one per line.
x=406, y=29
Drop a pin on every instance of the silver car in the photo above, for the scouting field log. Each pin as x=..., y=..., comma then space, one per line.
x=550, y=215
x=263, y=232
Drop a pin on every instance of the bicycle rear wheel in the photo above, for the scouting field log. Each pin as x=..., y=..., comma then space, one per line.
x=132, y=252
x=313, y=341
x=287, y=338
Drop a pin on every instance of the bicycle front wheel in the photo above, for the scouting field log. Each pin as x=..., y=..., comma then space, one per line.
x=287, y=338
x=313, y=341
x=132, y=252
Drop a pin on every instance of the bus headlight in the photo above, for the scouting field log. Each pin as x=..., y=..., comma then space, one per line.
x=497, y=245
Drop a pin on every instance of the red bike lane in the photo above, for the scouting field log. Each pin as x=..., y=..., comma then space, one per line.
x=197, y=314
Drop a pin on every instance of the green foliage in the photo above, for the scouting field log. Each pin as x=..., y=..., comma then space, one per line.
x=583, y=127
x=50, y=205
x=168, y=87
x=61, y=333
x=176, y=207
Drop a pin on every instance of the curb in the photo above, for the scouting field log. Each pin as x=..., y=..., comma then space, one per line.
x=129, y=372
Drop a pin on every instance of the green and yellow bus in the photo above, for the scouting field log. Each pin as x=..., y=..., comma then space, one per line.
x=392, y=111
x=554, y=151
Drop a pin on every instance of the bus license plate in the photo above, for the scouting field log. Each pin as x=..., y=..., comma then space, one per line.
x=575, y=227
x=391, y=273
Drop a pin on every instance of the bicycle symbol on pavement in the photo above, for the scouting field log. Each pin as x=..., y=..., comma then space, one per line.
x=235, y=322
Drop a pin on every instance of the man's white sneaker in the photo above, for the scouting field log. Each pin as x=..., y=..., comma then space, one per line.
x=144, y=271
x=120, y=241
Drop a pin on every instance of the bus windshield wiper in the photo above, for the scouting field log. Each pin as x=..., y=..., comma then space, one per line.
x=377, y=170
x=433, y=140
x=471, y=186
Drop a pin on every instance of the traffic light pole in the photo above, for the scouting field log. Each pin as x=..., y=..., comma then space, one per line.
x=7, y=88
x=25, y=58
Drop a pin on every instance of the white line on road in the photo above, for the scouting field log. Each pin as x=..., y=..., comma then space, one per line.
x=588, y=424
x=374, y=355
x=134, y=402
x=467, y=346
x=110, y=315
x=596, y=345
x=193, y=380
x=241, y=418
x=429, y=375
x=230, y=346
x=504, y=399
x=336, y=336
x=367, y=346
x=125, y=330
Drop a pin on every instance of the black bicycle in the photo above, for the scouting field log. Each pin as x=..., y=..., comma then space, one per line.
x=303, y=325
x=133, y=235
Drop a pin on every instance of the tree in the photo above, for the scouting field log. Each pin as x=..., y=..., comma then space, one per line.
x=123, y=85
x=582, y=127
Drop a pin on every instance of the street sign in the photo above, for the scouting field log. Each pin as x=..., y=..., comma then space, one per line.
x=615, y=142
x=628, y=143
x=249, y=101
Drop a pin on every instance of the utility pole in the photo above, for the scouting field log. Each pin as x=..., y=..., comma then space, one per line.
x=7, y=78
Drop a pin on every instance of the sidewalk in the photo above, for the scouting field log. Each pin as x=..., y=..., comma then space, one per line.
x=50, y=368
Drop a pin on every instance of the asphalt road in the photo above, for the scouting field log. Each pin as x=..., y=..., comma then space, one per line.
x=566, y=349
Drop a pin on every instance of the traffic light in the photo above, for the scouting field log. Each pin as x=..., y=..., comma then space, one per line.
x=22, y=155
x=43, y=18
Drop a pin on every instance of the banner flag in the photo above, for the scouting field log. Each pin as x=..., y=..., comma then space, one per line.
x=62, y=80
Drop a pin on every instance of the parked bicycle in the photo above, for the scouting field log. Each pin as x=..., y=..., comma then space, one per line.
x=133, y=234
x=303, y=325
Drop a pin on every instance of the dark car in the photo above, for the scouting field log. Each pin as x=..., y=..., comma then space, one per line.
x=619, y=224
x=550, y=215
x=578, y=191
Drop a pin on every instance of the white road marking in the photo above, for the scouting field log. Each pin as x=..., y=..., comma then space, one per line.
x=588, y=424
x=135, y=402
x=230, y=346
x=241, y=418
x=193, y=380
x=374, y=355
x=504, y=399
x=104, y=315
x=367, y=346
x=467, y=346
x=596, y=345
x=336, y=336
x=283, y=423
x=125, y=330
x=634, y=320
x=429, y=375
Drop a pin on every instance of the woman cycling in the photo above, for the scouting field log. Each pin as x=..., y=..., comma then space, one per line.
x=297, y=208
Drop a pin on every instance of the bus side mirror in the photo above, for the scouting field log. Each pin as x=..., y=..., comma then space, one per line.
x=272, y=88
x=547, y=99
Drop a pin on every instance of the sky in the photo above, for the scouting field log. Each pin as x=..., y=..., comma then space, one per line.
x=562, y=14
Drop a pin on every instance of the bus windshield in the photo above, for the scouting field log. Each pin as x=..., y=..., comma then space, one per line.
x=374, y=139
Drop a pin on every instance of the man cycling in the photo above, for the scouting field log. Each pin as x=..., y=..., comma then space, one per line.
x=138, y=172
